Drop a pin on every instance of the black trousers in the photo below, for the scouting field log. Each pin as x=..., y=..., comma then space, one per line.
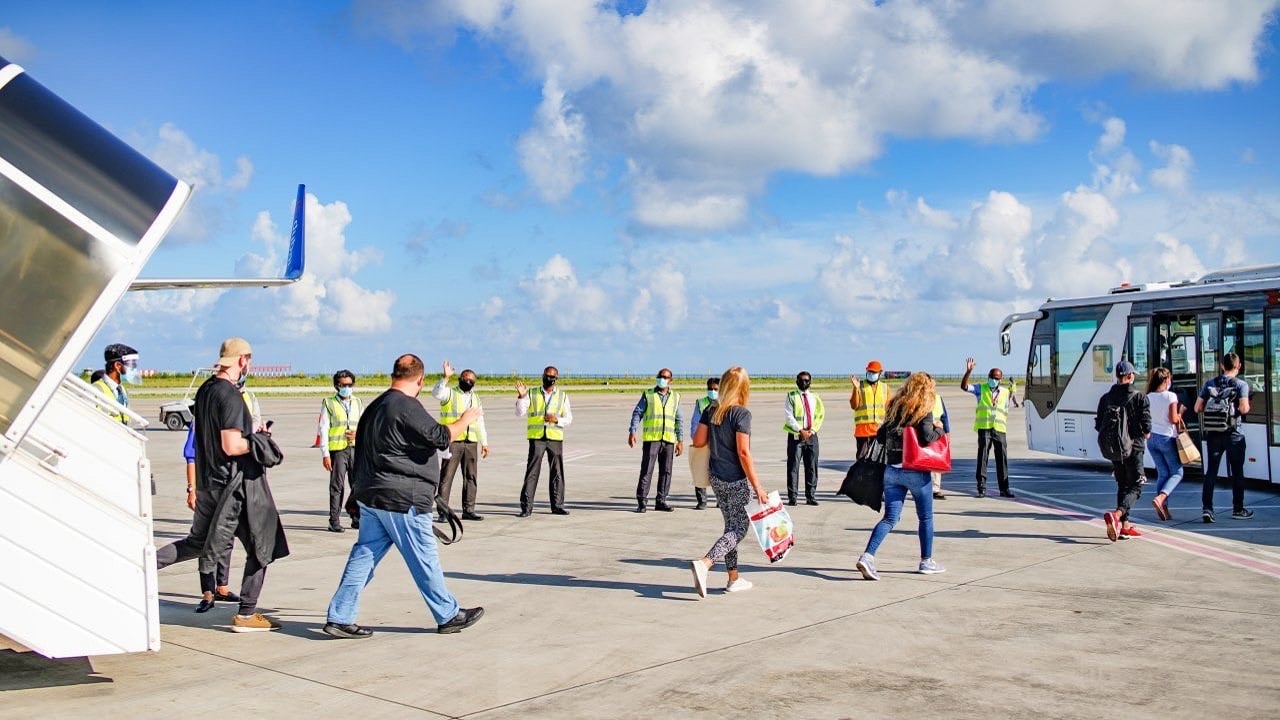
x=988, y=439
x=662, y=454
x=340, y=461
x=554, y=450
x=467, y=456
x=805, y=451
x=1129, y=476
x=701, y=495
x=1230, y=444
x=191, y=546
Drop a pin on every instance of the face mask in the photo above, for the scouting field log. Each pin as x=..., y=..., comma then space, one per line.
x=240, y=381
x=132, y=375
x=993, y=383
x=713, y=394
x=873, y=377
x=549, y=381
x=803, y=383
x=466, y=385
x=662, y=383
x=344, y=391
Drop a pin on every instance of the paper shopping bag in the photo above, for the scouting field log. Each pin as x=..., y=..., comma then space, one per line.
x=772, y=526
x=1188, y=452
x=700, y=466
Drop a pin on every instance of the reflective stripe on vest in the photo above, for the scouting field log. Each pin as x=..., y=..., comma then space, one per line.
x=539, y=428
x=990, y=415
x=452, y=409
x=105, y=389
x=937, y=409
x=339, y=423
x=660, y=416
x=869, y=416
x=797, y=411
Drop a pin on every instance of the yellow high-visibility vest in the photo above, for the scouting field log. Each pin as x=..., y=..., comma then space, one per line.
x=340, y=421
x=660, y=416
x=797, y=411
x=993, y=409
x=869, y=416
x=105, y=389
x=452, y=409
x=538, y=404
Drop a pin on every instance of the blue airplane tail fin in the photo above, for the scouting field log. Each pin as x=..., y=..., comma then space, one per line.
x=297, y=250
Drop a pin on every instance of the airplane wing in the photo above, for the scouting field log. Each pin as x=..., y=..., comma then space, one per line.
x=292, y=270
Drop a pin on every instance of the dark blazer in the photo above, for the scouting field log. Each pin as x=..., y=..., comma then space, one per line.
x=250, y=492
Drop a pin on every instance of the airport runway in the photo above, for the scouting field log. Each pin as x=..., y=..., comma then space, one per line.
x=593, y=615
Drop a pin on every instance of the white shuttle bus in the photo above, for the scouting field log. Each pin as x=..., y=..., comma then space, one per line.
x=1185, y=326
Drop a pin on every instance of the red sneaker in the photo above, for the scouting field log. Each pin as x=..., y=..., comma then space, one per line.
x=1130, y=532
x=1112, y=521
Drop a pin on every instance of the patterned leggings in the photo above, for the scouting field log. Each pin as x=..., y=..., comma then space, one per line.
x=732, y=497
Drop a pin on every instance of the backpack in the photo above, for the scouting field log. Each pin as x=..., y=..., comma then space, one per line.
x=1219, y=408
x=1114, y=439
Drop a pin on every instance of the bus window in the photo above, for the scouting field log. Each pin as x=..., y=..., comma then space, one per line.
x=1039, y=372
x=1256, y=393
x=1254, y=355
x=1074, y=337
x=1137, y=352
x=1209, y=342
x=1182, y=355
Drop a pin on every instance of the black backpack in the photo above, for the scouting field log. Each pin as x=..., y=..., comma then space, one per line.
x=1219, y=408
x=1114, y=439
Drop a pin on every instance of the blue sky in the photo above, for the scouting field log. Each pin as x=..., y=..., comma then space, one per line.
x=615, y=187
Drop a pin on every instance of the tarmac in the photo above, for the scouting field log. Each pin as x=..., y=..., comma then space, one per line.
x=594, y=615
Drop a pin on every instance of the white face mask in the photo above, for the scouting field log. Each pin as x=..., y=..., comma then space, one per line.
x=713, y=394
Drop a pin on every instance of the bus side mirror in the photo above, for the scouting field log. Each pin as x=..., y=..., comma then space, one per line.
x=1006, y=345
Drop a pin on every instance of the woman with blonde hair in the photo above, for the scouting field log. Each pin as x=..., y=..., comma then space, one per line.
x=725, y=426
x=910, y=406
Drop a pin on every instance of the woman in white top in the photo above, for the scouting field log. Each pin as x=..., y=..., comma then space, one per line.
x=1166, y=413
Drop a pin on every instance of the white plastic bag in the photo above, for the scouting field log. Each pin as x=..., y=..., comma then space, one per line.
x=772, y=526
x=700, y=466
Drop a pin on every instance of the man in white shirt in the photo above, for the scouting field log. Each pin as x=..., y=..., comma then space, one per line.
x=470, y=446
x=339, y=417
x=804, y=416
x=547, y=413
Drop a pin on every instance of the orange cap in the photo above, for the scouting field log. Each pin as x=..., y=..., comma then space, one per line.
x=874, y=366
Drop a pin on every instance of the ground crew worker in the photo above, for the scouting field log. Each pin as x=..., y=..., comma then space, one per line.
x=700, y=406
x=121, y=367
x=990, y=423
x=868, y=402
x=804, y=416
x=339, y=417
x=548, y=414
x=467, y=449
x=657, y=417
x=940, y=412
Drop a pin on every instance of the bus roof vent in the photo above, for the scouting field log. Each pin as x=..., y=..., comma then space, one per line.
x=1257, y=272
x=1130, y=288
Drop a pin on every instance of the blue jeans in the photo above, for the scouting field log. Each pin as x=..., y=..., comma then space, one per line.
x=1164, y=453
x=897, y=483
x=411, y=534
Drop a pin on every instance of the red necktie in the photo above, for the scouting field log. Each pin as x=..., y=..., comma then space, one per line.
x=808, y=416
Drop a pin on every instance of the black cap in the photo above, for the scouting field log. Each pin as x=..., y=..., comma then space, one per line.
x=1124, y=367
x=117, y=351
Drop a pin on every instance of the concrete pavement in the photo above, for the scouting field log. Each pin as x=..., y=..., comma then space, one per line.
x=594, y=615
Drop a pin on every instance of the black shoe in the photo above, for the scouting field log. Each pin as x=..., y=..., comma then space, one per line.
x=226, y=597
x=700, y=506
x=791, y=501
x=204, y=606
x=939, y=496
x=1241, y=514
x=352, y=631
x=337, y=528
x=472, y=516
x=810, y=501
x=355, y=523
x=464, y=619
x=440, y=517
x=559, y=511
x=664, y=508
x=1207, y=517
x=641, y=508
x=524, y=513
x=1007, y=493
x=982, y=493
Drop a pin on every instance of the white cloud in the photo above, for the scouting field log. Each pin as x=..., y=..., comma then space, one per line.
x=14, y=47
x=553, y=152
x=1176, y=173
x=620, y=299
x=206, y=213
x=1115, y=168
x=932, y=217
x=706, y=100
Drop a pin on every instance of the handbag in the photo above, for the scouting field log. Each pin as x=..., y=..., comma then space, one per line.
x=934, y=457
x=864, y=483
x=1188, y=450
x=700, y=466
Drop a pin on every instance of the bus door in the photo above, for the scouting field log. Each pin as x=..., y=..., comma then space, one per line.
x=1137, y=349
x=1272, y=375
x=1177, y=348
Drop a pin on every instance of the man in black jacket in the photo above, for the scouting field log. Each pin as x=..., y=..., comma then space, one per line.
x=393, y=478
x=1128, y=468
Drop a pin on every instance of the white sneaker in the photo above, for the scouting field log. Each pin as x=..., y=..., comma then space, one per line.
x=699, y=577
x=867, y=566
x=738, y=585
x=930, y=567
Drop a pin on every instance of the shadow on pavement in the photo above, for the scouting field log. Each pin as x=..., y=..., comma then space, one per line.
x=27, y=670
x=656, y=592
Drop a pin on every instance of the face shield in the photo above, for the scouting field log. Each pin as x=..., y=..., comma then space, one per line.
x=131, y=374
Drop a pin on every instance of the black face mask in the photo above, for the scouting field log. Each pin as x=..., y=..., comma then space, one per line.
x=803, y=383
x=465, y=385
x=549, y=381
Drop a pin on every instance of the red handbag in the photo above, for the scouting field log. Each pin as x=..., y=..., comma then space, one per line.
x=934, y=457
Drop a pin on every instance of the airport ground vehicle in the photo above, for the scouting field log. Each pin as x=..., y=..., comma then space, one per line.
x=1184, y=326
x=176, y=414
